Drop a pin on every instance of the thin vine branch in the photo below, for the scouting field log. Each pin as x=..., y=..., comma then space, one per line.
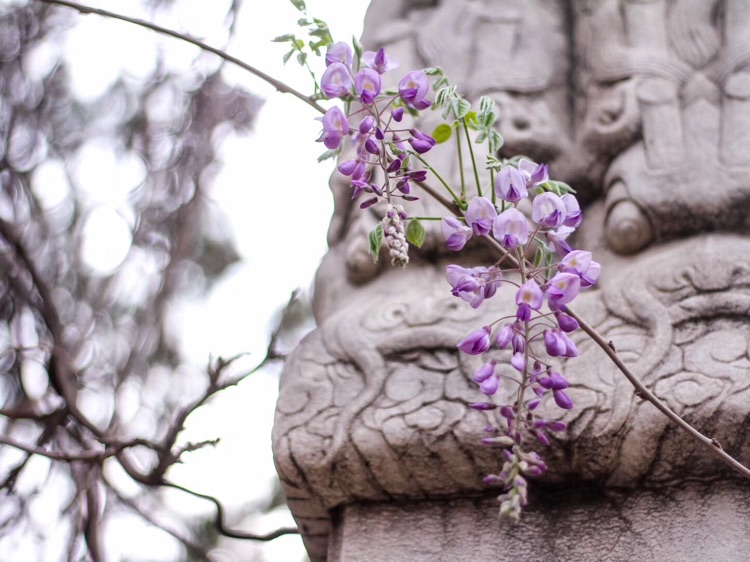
x=219, y=519
x=278, y=84
x=712, y=444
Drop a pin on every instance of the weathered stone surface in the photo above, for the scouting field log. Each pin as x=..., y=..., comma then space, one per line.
x=644, y=106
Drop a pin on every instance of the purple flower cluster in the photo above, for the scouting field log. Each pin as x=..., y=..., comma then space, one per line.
x=536, y=336
x=379, y=140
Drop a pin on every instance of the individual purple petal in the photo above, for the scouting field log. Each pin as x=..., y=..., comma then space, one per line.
x=510, y=185
x=534, y=174
x=336, y=81
x=576, y=261
x=556, y=239
x=554, y=345
x=591, y=275
x=413, y=89
x=335, y=126
x=518, y=361
x=530, y=293
x=367, y=85
x=371, y=147
x=562, y=289
x=339, y=53
x=573, y=214
x=347, y=168
x=554, y=381
x=562, y=399
x=504, y=336
x=511, y=229
x=366, y=125
x=477, y=342
x=489, y=386
x=420, y=141
x=483, y=406
x=397, y=114
x=455, y=233
x=480, y=215
x=485, y=371
x=566, y=323
x=548, y=210
x=379, y=61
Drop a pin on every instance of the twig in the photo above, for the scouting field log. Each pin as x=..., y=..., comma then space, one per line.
x=709, y=443
x=279, y=85
x=231, y=533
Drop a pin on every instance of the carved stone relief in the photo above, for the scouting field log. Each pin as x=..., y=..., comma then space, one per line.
x=644, y=105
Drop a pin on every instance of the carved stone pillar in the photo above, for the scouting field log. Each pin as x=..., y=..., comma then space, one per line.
x=643, y=105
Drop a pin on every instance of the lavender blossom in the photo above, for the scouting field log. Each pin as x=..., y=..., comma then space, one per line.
x=573, y=214
x=420, y=141
x=336, y=81
x=480, y=215
x=548, y=210
x=562, y=289
x=339, y=53
x=335, y=127
x=473, y=285
x=477, y=342
x=379, y=61
x=455, y=233
x=413, y=89
x=510, y=185
x=367, y=85
x=534, y=174
x=511, y=229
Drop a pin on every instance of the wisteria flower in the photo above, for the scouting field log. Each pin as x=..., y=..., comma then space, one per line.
x=477, y=342
x=580, y=263
x=379, y=61
x=557, y=383
x=573, y=214
x=529, y=297
x=510, y=185
x=510, y=229
x=562, y=289
x=475, y=284
x=336, y=81
x=413, y=89
x=339, y=52
x=455, y=233
x=420, y=141
x=548, y=210
x=367, y=85
x=366, y=125
x=557, y=239
x=335, y=128
x=480, y=215
x=534, y=174
x=558, y=344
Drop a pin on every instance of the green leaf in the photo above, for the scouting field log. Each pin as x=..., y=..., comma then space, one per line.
x=415, y=232
x=496, y=141
x=301, y=58
x=461, y=108
x=471, y=120
x=303, y=22
x=481, y=137
x=283, y=38
x=376, y=239
x=287, y=56
x=328, y=154
x=442, y=133
x=299, y=4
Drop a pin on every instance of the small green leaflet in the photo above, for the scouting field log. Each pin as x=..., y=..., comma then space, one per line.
x=299, y=4
x=442, y=133
x=415, y=232
x=376, y=239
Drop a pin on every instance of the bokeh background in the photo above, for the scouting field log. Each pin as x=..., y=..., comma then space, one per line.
x=171, y=204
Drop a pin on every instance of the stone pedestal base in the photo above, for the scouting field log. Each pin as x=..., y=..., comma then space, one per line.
x=693, y=522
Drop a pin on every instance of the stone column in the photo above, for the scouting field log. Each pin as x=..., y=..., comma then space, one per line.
x=379, y=455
